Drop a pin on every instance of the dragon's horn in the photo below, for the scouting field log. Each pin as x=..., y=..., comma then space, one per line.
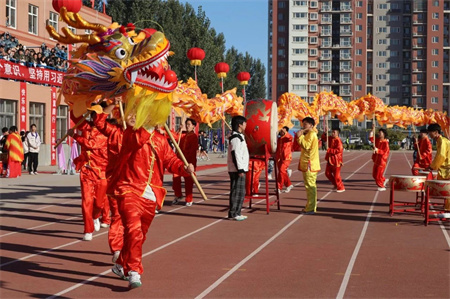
x=76, y=21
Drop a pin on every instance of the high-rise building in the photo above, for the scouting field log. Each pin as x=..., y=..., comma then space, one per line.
x=397, y=50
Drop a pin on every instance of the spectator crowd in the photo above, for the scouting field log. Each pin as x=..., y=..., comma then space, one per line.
x=44, y=57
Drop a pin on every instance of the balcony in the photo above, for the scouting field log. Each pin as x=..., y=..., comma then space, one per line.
x=346, y=81
x=346, y=32
x=345, y=56
x=325, y=8
x=326, y=20
x=325, y=33
x=325, y=45
x=325, y=81
x=325, y=57
x=344, y=45
x=345, y=69
x=346, y=20
x=325, y=69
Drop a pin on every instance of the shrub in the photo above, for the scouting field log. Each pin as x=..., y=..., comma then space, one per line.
x=394, y=147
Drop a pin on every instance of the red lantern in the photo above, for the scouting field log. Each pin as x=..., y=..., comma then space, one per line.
x=71, y=5
x=222, y=69
x=196, y=55
x=243, y=78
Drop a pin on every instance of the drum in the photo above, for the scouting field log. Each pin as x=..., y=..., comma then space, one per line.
x=408, y=183
x=426, y=173
x=438, y=188
x=262, y=126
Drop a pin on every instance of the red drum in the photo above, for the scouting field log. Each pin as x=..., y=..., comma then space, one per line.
x=426, y=173
x=409, y=183
x=262, y=126
x=438, y=188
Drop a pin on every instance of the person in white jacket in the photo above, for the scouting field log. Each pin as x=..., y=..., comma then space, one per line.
x=237, y=160
x=34, y=144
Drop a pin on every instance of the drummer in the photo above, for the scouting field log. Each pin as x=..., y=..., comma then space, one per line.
x=441, y=161
x=423, y=158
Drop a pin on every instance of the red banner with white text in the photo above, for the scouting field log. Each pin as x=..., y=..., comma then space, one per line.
x=53, y=125
x=15, y=71
x=23, y=107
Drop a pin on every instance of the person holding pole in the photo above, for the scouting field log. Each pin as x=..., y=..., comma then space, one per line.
x=309, y=163
x=284, y=158
x=441, y=161
x=334, y=160
x=137, y=185
x=379, y=157
x=188, y=146
x=424, y=151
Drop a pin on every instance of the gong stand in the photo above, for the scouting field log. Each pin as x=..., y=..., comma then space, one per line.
x=266, y=157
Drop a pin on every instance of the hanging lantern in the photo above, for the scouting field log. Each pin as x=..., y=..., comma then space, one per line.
x=71, y=5
x=243, y=78
x=222, y=69
x=196, y=55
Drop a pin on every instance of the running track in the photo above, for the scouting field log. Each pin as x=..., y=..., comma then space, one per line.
x=351, y=249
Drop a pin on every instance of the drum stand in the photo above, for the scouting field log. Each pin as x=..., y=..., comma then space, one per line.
x=266, y=158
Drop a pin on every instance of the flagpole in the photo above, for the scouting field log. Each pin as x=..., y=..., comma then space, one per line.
x=223, y=120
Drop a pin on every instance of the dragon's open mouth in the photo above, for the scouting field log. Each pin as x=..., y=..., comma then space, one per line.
x=152, y=73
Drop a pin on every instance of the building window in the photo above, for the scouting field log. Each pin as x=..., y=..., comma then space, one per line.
x=434, y=100
x=313, y=64
x=300, y=15
x=434, y=88
x=359, y=27
x=359, y=4
x=298, y=87
x=281, y=76
x=359, y=40
x=435, y=39
x=314, y=16
x=435, y=76
x=313, y=4
x=435, y=27
x=313, y=76
x=281, y=4
x=359, y=63
x=281, y=28
x=8, y=110
x=313, y=87
x=281, y=63
x=298, y=51
x=358, y=87
x=61, y=121
x=299, y=63
x=11, y=13
x=359, y=16
x=358, y=75
x=281, y=52
x=358, y=51
x=313, y=28
x=313, y=40
x=435, y=15
x=435, y=63
x=312, y=52
x=32, y=19
x=299, y=39
x=37, y=117
x=281, y=41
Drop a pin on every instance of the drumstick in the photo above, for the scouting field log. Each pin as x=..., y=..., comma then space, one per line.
x=122, y=115
x=73, y=128
x=373, y=132
x=194, y=178
x=223, y=119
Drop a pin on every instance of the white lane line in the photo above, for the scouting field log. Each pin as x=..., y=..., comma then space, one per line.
x=348, y=272
x=441, y=224
x=251, y=255
x=39, y=226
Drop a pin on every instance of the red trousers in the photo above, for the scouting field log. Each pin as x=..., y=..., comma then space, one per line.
x=188, y=187
x=115, y=233
x=93, y=197
x=333, y=174
x=106, y=218
x=137, y=215
x=283, y=177
x=377, y=174
x=252, y=184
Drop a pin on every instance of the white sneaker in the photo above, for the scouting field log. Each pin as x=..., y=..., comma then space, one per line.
x=289, y=172
x=381, y=189
x=443, y=216
x=156, y=211
x=97, y=224
x=104, y=225
x=87, y=237
x=340, y=191
x=239, y=218
x=279, y=190
x=134, y=280
x=116, y=256
x=176, y=200
x=189, y=204
x=118, y=270
x=289, y=188
x=35, y=173
x=270, y=176
x=243, y=216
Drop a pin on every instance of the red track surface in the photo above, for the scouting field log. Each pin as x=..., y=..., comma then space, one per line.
x=351, y=249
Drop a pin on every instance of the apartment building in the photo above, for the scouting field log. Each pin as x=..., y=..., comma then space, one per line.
x=397, y=50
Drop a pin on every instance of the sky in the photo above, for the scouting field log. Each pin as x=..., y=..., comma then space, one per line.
x=243, y=23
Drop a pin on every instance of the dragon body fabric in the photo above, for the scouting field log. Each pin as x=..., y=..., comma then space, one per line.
x=114, y=62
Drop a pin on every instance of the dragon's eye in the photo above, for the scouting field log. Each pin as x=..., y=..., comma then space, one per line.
x=131, y=41
x=121, y=53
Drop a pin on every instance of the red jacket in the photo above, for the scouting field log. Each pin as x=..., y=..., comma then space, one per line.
x=334, y=152
x=380, y=158
x=284, y=148
x=189, y=146
x=141, y=162
x=425, y=149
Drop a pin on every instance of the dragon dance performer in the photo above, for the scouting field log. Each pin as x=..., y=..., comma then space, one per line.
x=309, y=163
x=284, y=158
x=335, y=161
x=256, y=167
x=379, y=157
x=188, y=145
x=441, y=161
x=136, y=184
x=91, y=164
x=14, y=147
x=424, y=147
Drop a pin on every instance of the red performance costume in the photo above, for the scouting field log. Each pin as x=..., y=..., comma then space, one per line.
x=92, y=164
x=424, y=159
x=14, y=148
x=284, y=158
x=137, y=185
x=257, y=168
x=380, y=161
x=188, y=145
x=114, y=133
x=334, y=162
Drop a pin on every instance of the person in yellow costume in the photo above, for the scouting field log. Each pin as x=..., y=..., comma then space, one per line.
x=441, y=161
x=309, y=163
